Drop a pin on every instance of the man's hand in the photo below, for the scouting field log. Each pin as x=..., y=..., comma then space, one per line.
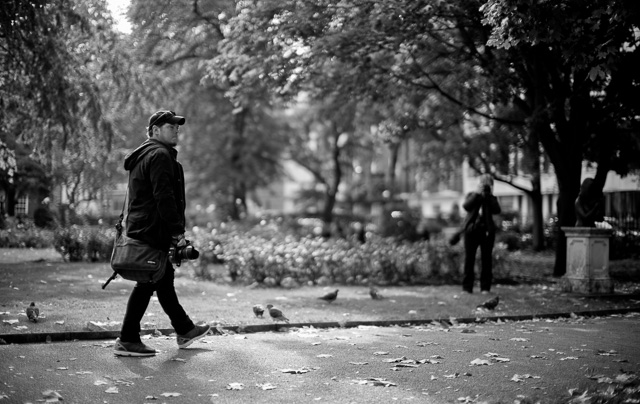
x=178, y=240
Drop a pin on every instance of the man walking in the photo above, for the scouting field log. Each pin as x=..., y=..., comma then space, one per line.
x=156, y=208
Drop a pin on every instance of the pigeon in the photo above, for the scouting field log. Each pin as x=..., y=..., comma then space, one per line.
x=258, y=310
x=375, y=295
x=276, y=314
x=489, y=304
x=33, y=312
x=329, y=297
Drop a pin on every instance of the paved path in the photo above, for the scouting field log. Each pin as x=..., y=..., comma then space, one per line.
x=337, y=365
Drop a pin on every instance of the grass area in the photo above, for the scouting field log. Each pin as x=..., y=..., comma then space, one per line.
x=70, y=296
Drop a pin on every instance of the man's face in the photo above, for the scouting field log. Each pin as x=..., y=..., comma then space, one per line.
x=167, y=134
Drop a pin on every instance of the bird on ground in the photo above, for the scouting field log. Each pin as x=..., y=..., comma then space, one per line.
x=258, y=310
x=330, y=297
x=276, y=314
x=490, y=304
x=33, y=312
x=375, y=295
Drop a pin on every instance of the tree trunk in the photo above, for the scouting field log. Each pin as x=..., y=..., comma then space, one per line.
x=538, y=220
x=332, y=186
x=394, y=148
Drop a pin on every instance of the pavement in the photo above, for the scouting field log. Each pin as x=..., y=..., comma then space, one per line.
x=546, y=360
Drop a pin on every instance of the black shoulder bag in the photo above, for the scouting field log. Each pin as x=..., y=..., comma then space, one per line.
x=132, y=259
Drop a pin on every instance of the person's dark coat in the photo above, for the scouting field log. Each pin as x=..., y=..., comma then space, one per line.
x=156, y=194
x=478, y=218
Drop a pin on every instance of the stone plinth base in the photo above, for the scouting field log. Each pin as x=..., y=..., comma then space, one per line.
x=587, y=260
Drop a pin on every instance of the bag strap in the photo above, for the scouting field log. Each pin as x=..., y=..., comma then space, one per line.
x=122, y=224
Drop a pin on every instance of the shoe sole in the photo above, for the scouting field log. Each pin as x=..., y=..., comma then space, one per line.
x=135, y=354
x=194, y=339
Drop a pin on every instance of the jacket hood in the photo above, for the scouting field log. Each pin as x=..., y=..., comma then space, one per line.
x=132, y=159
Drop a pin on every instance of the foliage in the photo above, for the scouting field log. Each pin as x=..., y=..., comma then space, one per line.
x=624, y=245
x=266, y=256
x=76, y=243
x=229, y=148
x=21, y=232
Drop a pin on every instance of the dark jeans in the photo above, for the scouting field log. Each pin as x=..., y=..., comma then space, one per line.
x=473, y=240
x=139, y=301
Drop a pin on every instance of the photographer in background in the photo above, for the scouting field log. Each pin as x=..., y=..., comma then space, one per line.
x=156, y=216
x=480, y=232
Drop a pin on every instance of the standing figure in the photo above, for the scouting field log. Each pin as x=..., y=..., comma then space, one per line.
x=156, y=216
x=480, y=231
x=589, y=204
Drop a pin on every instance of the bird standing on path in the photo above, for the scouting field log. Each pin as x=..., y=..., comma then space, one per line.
x=375, y=295
x=33, y=312
x=330, y=297
x=258, y=310
x=489, y=304
x=276, y=314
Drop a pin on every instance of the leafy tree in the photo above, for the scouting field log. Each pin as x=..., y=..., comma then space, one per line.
x=535, y=56
x=231, y=146
x=71, y=84
x=576, y=84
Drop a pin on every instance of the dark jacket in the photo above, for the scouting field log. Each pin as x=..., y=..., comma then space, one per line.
x=477, y=217
x=156, y=194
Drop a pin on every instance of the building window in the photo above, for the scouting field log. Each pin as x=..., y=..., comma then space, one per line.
x=22, y=205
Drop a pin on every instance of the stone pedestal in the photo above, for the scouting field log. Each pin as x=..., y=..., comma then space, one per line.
x=587, y=260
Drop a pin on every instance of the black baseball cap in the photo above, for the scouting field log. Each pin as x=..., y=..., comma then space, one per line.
x=164, y=116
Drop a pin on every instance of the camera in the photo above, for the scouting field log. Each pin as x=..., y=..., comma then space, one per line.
x=186, y=252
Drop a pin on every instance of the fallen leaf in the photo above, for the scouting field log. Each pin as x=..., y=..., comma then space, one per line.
x=112, y=390
x=422, y=343
x=61, y=322
x=170, y=394
x=10, y=322
x=151, y=398
x=407, y=365
x=266, y=386
x=359, y=363
x=376, y=381
x=52, y=396
x=393, y=360
x=452, y=375
x=324, y=356
x=606, y=353
x=295, y=371
x=235, y=386
x=569, y=358
x=480, y=362
x=519, y=339
x=430, y=361
x=178, y=360
x=100, y=382
x=381, y=353
x=518, y=378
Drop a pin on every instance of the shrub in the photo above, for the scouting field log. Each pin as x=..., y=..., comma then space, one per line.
x=79, y=243
x=262, y=254
x=625, y=245
x=22, y=233
x=67, y=243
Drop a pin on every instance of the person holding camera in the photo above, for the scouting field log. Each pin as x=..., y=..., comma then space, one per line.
x=480, y=231
x=156, y=217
